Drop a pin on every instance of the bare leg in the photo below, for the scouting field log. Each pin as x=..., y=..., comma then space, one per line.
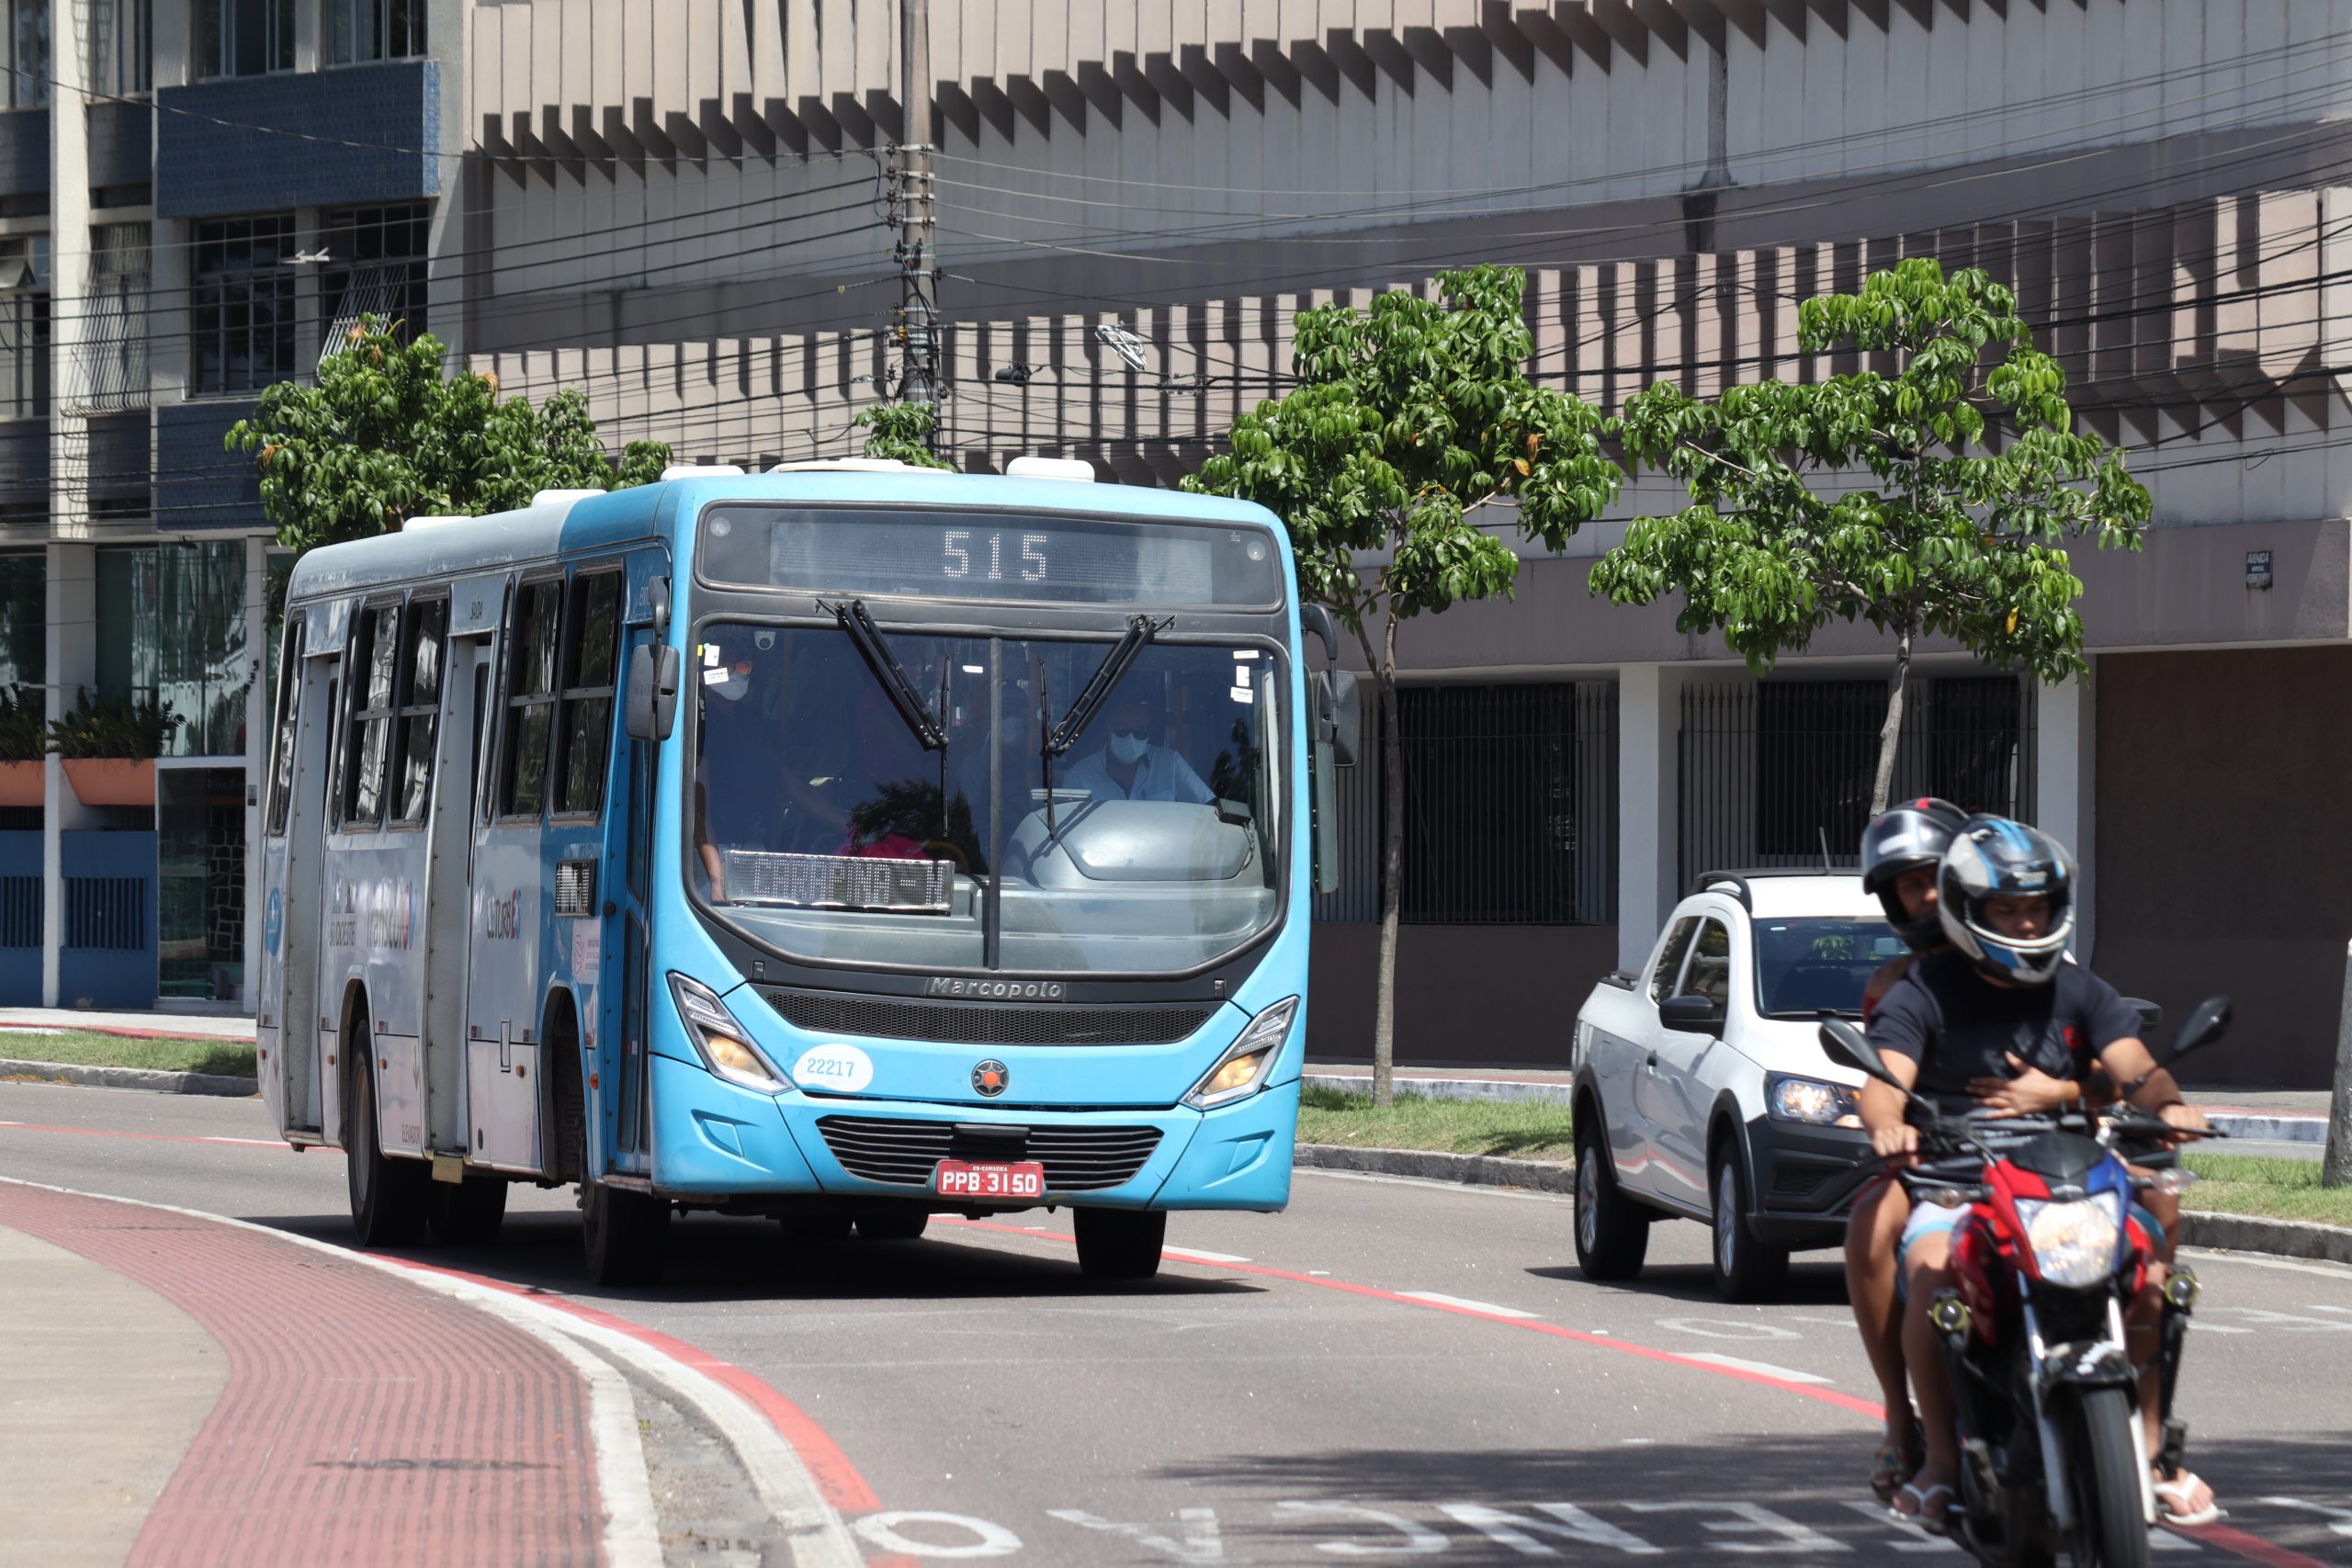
x=1925, y=1271
x=1874, y=1233
x=2142, y=1326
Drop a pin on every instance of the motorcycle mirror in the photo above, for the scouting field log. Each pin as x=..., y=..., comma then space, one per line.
x=2208, y=1021
x=1849, y=1049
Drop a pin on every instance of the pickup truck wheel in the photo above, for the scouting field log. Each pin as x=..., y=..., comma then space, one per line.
x=1612, y=1231
x=1746, y=1270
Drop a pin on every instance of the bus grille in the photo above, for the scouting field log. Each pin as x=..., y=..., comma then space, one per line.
x=1077, y=1159
x=989, y=1023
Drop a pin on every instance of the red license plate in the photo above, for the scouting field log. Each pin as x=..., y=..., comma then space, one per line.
x=989, y=1179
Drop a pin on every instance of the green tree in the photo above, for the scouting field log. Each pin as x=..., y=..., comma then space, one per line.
x=384, y=436
x=1408, y=419
x=901, y=431
x=1877, y=497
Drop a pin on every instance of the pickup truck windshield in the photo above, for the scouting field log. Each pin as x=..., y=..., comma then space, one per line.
x=1808, y=967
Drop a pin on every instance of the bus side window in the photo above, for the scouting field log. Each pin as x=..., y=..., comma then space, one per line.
x=373, y=666
x=412, y=747
x=592, y=641
x=281, y=754
x=530, y=699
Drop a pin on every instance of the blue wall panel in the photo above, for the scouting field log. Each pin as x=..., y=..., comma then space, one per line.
x=300, y=138
x=198, y=484
x=21, y=908
x=108, y=957
x=24, y=152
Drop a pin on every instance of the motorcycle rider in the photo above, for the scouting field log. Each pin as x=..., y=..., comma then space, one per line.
x=1903, y=848
x=2000, y=1024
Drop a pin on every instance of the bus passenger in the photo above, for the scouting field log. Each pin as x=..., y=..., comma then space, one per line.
x=1131, y=766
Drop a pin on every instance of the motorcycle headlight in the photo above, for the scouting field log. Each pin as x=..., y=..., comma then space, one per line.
x=1810, y=1101
x=2075, y=1242
x=725, y=1045
x=1243, y=1067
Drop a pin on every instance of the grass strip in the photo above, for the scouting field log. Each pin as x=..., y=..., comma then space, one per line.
x=229, y=1058
x=1521, y=1129
x=2268, y=1185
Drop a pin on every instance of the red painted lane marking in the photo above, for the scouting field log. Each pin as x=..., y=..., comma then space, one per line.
x=2251, y=1547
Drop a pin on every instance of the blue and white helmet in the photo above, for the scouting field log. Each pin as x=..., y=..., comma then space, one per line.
x=1993, y=857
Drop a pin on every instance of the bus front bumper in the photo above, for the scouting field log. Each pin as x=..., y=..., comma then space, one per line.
x=716, y=1141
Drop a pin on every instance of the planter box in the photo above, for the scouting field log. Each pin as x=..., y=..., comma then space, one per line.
x=20, y=784
x=112, y=780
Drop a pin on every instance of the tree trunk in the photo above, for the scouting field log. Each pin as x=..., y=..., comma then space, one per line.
x=1891, y=735
x=1392, y=866
x=2335, y=1159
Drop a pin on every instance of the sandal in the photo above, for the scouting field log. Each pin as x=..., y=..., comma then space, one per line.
x=1934, y=1521
x=1896, y=1462
x=2172, y=1501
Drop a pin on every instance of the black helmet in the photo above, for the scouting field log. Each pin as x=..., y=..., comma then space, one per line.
x=1991, y=857
x=1904, y=837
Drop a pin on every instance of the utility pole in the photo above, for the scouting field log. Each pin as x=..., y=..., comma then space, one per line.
x=918, y=271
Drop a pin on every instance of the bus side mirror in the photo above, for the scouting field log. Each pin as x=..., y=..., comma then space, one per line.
x=1339, y=716
x=652, y=702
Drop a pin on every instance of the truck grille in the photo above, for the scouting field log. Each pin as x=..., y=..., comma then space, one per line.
x=1077, y=1159
x=1793, y=1181
x=989, y=1023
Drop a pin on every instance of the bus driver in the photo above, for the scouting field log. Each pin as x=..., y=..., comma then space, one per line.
x=1131, y=765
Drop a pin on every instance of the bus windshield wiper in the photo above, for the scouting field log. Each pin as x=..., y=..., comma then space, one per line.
x=892, y=676
x=1058, y=740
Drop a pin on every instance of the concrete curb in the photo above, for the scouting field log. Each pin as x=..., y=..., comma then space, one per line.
x=152, y=1080
x=2252, y=1233
x=2236, y=1232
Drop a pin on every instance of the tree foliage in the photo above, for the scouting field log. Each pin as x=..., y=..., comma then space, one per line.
x=901, y=431
x=1408, y=419
x=384, y=436
x=1876, y=497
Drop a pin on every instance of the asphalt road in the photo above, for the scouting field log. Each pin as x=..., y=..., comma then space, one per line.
x=1388, y=1368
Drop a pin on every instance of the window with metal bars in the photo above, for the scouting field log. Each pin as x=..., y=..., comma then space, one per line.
x=24, y=327
x=590, y=659
x=376, y=267
x=20, y=914
x=113, y=350
x=531, y=698
x=106, y=913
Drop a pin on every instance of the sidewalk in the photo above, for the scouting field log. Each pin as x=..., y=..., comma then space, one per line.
x=172, y=1025
x=198, y=1393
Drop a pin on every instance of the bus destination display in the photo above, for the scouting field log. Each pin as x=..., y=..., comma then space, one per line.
x=969, y=555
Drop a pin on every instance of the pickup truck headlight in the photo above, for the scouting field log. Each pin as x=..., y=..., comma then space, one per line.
x=1810, y=1101
x=724, y=1045
x=1242, y=1069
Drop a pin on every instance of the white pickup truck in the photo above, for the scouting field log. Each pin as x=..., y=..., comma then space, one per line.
x=1701, y=1088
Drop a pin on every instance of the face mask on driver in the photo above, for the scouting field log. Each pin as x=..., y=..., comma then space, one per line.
x=1128, y=748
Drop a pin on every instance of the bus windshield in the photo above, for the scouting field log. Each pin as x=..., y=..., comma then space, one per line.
x=936, y=826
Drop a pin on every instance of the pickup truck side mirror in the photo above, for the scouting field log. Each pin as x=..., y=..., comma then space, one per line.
x=1690, y=1015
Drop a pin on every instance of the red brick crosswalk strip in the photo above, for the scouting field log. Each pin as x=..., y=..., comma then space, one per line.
x=365, y=1420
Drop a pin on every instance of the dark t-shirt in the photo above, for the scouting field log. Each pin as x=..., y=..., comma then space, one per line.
x=1957, y=1025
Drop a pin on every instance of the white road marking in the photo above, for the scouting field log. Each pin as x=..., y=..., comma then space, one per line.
x=632, y=1528
x=2340, y=1520
x=1440, y=1298
x=1786, y=1534
x=1199, y=1543
x=1915, y=1539
x=2285, y=1322
x=1519, y=1531
x=885, y=1531
x=1419, y=1539
x=1713, y=1328
x=1195, y=1255
x=1763, y=1369
x=2324, y=1271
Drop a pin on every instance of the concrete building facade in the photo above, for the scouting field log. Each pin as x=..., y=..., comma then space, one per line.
x=687, y=209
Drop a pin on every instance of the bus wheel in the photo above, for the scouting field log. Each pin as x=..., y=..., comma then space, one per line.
x=390, y=1200
x=1119, y=1243
x=900, y=1225
x=467, y=1213
x=626, y=1235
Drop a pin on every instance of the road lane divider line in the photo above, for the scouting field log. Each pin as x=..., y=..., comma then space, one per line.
x=1785, y=1374
x=1487, y=1309
x=1195, y=1255
x=155, y=1138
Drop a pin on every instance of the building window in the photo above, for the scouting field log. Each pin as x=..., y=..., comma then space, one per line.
x=24, y=327
x=122, y=47
x=530, y=699
x=374, y=30
x=375, y=267
x=172, y=627
x=243, y=37
x=590, y=659
x=1816, y=749
x=116, y=349
x=28, y=57
x=428, y=627
x=243, y=303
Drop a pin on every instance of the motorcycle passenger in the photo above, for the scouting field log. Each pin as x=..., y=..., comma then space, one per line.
x=2000, y=1024
x=1902, y=851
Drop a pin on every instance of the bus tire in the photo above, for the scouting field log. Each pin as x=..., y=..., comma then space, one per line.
x=470, y=1212
x=1119, y=1243
x=625, y=1235
x=390, y=1200
x=900, y=1225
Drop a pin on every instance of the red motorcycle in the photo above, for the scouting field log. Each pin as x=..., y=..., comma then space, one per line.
x=2044, y=1267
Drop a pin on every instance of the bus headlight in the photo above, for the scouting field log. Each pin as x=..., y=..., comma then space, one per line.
x=1243, y=1067
x=2074, y=1242
x=726, y=1048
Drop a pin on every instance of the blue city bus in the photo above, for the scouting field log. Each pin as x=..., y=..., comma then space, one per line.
x=839, y=845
